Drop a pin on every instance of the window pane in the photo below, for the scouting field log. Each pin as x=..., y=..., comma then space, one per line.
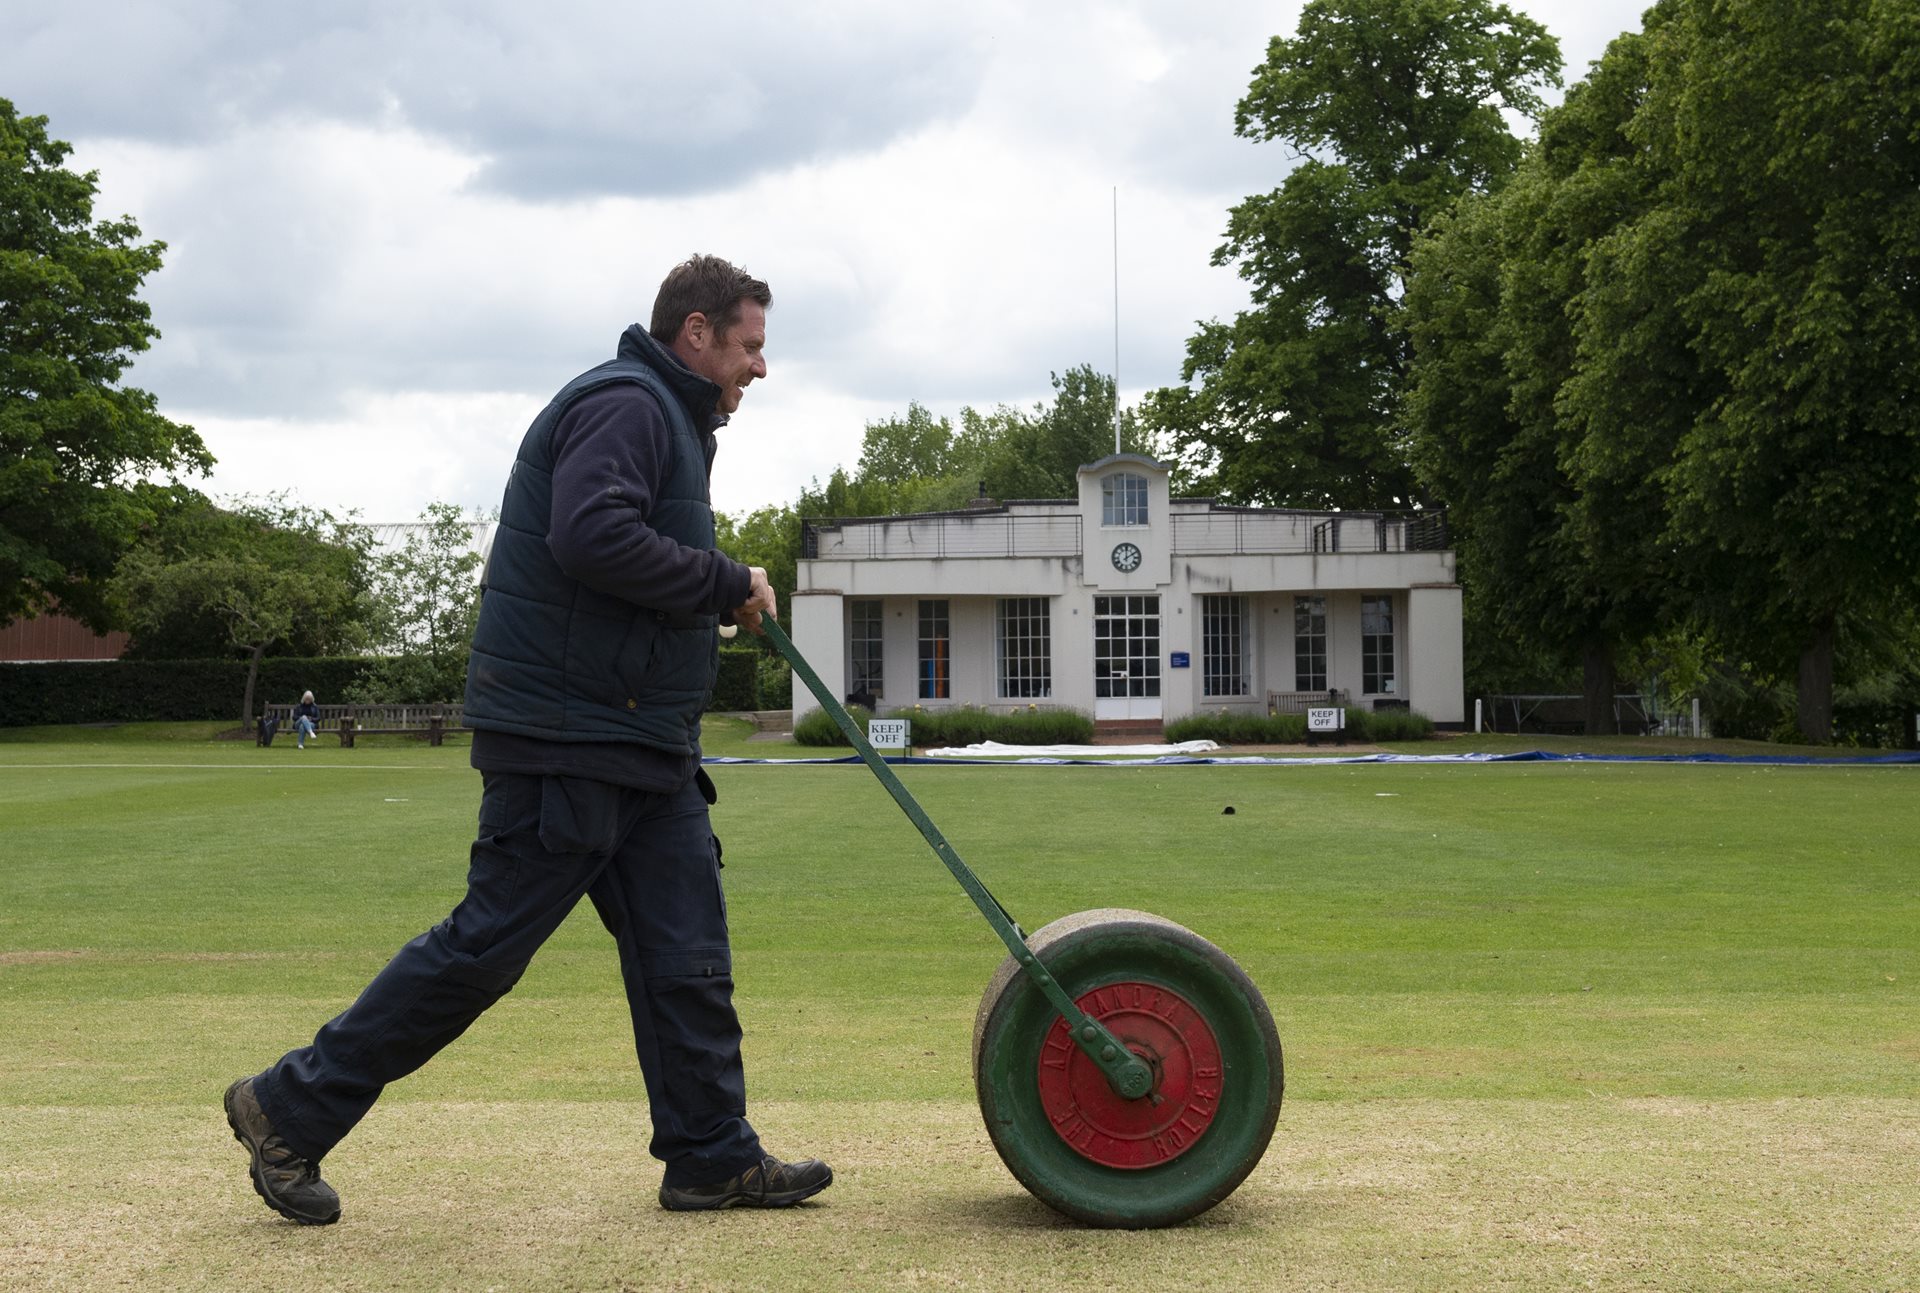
x=1310, y=643
x=1376, y=644
x=935, y=651
x=1126, y=646
x=1024, y=648
x=1223, y=646
x=863, y=648
x=1123, y=500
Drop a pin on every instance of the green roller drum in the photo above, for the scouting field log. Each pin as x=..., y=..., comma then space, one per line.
x=1175, y=1000
x=1129, y=1072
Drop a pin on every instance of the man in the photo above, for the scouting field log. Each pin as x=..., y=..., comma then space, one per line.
x=591, y=664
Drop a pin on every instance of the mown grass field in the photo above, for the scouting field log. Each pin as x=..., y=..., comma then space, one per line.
x=1547, y=1026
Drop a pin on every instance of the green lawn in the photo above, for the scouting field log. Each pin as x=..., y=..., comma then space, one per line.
x=1634, y=1025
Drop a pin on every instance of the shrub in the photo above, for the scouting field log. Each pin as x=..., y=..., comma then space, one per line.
x=817, y=728
x=970, y=725
x=776, y=682
x=1291, y=729
x=965, y=725
x=1388, y=725
x=1240, y=729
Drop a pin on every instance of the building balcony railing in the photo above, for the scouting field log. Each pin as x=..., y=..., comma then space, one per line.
x=986, y=534
x=1226, y=531
x=1220, y=531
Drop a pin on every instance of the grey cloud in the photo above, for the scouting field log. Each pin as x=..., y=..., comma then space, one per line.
x=562, y=101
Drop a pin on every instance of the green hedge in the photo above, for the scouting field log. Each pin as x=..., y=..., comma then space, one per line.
x=966, y=725
x=738, y=685
x=147, y=691
x=163, y=691
x=1291, y=729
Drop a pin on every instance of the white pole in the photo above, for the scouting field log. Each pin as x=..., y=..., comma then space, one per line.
x=1116, y=318
x=1477, y=702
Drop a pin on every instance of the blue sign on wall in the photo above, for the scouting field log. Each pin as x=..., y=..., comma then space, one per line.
x=1181, y=660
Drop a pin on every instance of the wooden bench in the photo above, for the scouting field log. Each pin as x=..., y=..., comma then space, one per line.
x=351, y=721
x=1299, y=702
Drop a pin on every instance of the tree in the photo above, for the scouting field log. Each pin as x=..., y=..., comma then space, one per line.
x=1665, y=377
x=425, y=597
x=1781, y=262
x=75, y=444
x=768, y=537
x=1396, y=109
x=917, y=463
x=1040, y=455
x=1792, y=135
x=898, y=451
x=268, y=573
x=1560, y=547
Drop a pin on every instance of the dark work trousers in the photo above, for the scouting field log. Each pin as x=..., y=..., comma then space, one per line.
x=651, y=866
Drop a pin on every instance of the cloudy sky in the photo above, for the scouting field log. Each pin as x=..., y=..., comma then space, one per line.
x=396, y=226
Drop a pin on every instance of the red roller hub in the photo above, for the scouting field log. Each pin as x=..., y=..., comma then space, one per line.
x=1161, y=1027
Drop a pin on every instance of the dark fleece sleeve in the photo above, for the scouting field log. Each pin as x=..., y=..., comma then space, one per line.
x=610, y=449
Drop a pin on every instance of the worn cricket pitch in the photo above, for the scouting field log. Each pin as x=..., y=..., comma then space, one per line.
x=1395, y=1194
x=1577, y=1027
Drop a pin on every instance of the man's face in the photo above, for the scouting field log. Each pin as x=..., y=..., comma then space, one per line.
x=731, y=360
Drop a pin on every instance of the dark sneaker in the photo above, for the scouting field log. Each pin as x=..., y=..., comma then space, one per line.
x=769, y=1183
x=289, y=1183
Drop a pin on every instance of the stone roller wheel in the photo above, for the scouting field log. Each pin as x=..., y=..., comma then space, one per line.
x=1178, y=1002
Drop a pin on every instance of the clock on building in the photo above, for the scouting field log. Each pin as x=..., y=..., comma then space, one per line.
x=1126, y=558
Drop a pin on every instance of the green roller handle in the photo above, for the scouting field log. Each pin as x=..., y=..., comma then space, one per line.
x=1126, y=1072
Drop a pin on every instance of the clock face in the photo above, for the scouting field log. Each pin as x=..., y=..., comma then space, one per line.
x=1126, y=558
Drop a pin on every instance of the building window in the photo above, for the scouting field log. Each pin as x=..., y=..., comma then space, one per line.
x=1126, y=646
x=863, y=648
x=1376, y=643
x=936, y=650
x=1310, y=643
x=1123, y=500
x=1025, y=648
x=1223, y=646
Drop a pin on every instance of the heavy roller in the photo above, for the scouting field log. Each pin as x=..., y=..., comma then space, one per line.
x=1129, y=1072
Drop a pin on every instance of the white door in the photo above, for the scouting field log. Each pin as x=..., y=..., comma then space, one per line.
x=1126, y=656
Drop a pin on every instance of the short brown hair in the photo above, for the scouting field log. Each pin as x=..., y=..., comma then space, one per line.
x=704, y=285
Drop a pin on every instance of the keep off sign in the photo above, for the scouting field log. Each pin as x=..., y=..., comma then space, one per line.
x=890, y=733
x=1326, y=720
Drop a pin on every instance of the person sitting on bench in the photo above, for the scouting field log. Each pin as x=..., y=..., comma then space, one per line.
x=306, y=720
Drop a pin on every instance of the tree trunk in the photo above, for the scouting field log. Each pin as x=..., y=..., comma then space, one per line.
x=253, y=673
x=1815, y=701
x=1600, y=717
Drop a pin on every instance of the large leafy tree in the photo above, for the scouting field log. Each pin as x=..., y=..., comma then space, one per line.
x=1560, y=549
x=1665, y=378
x=1396, y=108
x=76, y=445
x=263, y=574
x=1784, y=253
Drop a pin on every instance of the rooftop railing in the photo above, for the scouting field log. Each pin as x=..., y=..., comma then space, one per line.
x=959, y=534
x=1240, y=531
x=1219, y=531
